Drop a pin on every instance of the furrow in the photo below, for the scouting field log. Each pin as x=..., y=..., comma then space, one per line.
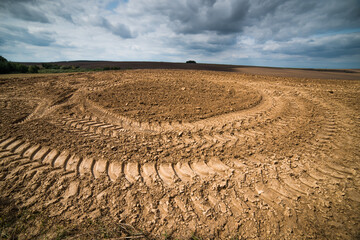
x=184, y=171
x=167, y=173
x=201, y=169
x=7, y=142
x=132, y=172
x=73, y=163
x=101, y=168
x=14, y=145
x=51, y=157
x=150, y=173
x=42, y=153
x=94, y=128
x=86, y=166
x=32, y=151
x=61, y=160
x=116, y=170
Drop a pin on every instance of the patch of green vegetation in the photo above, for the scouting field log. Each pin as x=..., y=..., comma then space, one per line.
x=50, y=66
x=11, y=67
x=53, y=68
x=7, y=67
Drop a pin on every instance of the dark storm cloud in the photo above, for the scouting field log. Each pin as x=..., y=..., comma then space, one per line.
x=278, y=18
x=11, y=34
x=25, y=10
x=197, y=16
x=219, y=18
x=281, y=21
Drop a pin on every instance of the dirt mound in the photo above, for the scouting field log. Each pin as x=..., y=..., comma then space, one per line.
x=174, y=99
x=77, y=162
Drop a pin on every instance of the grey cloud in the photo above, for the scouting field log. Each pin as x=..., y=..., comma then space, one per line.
x=25, y=10
x=211, y=44
x=262, y=19
x=275, y=19
x=16, y=34
x=283, y=20
x=327, y=47
x=197, y=16
x=119, y=29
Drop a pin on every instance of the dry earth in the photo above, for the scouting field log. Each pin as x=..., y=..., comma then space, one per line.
x=179, y=154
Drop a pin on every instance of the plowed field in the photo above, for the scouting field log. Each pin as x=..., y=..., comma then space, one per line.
x=179, y=154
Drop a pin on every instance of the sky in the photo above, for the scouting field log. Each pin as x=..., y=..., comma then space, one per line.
x=278, y=33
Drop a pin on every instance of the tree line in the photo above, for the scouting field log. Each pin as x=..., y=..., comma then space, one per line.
x=11, y=67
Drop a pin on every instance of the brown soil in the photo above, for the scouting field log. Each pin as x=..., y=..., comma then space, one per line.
x=175, y=154
x=174, y=99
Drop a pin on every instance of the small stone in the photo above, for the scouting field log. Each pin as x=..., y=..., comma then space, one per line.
x=95, y=214
x=327, y=204
x=222, y=184
x=222, y=207
x=101, y=196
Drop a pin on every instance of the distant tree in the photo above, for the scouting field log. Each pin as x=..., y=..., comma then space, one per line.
x=4, y=68
x=50, y=66
x=33, y=69
x=190, y=61
x=46, y=65
x=21, y=68
x=64, y=67
x=11, y=67
x=2, y=59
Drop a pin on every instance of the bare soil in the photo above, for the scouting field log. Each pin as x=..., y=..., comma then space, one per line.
x=174, y=99
x=180, y=154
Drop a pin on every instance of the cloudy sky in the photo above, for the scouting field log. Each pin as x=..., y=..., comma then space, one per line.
x=284, y=33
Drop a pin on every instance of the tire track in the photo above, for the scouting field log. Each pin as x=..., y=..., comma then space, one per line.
x=227, y=135
x=36, y=158
x=161, y=127
x=264, y=192
x=92, y=125
x=168, y=175
x=132, y=171
x=286, y=186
